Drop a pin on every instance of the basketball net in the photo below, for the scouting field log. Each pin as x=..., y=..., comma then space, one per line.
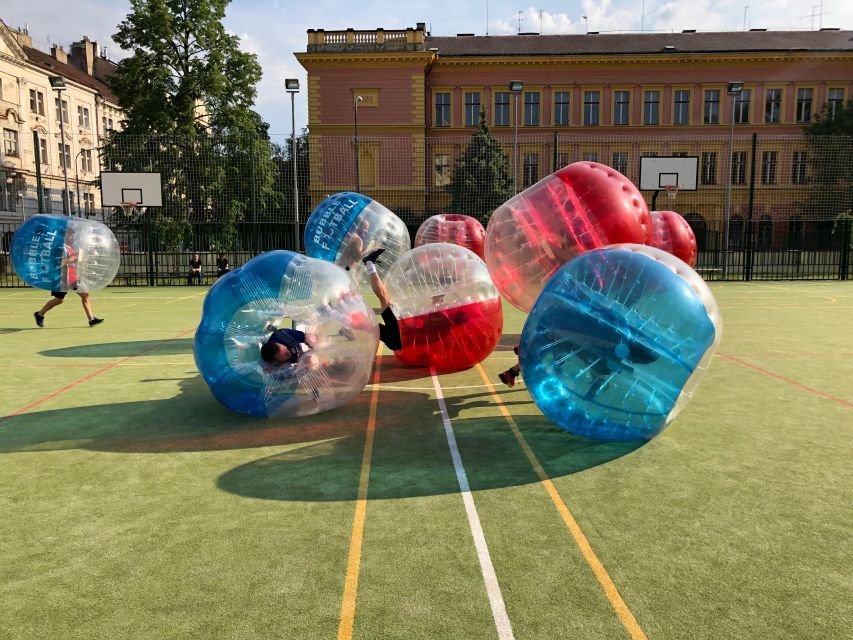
x=128, y=208
x=671, y=191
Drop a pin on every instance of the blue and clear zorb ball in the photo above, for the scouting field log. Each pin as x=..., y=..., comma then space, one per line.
x=617, y=342
x=65, y=253
x=347, y=226
x=285, y=290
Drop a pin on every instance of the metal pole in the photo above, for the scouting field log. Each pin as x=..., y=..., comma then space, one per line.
x=357, y=176
x=77, y=177
x=39, y=187
x=728, y=193
x=62, y=153
x=515, y=148
x=750, y=238
x=295, y=180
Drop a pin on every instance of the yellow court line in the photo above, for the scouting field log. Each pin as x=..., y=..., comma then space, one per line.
x=628, y=620
x=347, y=620
x=194, y=295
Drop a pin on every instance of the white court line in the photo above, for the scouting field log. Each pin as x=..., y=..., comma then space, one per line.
x=385, y=386
x=493, y=589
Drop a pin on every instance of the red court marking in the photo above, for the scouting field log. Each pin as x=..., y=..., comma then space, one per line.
x=799, y=385
x=91, y=375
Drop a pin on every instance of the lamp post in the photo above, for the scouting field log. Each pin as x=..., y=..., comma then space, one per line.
x=355, y=122
x=57, y=83
x=516, y=87
x=291, y=85
x=77, y=175
x=733, y=90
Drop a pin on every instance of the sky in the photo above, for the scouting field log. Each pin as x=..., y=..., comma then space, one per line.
x=275, y=29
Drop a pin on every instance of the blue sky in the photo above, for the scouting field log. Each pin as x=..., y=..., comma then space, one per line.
x=274, y=29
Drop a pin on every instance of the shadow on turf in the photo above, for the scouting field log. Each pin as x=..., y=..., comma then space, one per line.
x=123, y=349
x=410, y=455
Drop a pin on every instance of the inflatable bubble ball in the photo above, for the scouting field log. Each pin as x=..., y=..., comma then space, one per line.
x=673, y=234
x=449, y=311
x=583, y=206
x=454, y=228
x=617, y=342
x=285, y=290
x=64, y=253
x=347, y=226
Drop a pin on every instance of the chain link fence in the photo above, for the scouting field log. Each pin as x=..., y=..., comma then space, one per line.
x=786, y=219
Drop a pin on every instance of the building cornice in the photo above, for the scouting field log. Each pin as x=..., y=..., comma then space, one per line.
x=421, y=59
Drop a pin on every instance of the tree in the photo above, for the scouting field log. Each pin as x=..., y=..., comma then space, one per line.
x=830, y=141
x=480, y=182
x=187, y=91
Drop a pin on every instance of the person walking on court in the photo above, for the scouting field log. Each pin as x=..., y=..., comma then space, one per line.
x=70, y=259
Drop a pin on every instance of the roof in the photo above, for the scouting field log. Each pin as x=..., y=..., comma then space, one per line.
x=643, y=43
x=70, y=72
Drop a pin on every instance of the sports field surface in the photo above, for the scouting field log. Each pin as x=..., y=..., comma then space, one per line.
x=133, y=505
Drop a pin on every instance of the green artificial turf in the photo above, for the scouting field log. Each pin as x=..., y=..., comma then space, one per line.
x=133, y=505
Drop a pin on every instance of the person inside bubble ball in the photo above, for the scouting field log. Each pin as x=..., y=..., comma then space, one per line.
x=354, y=245
x=70, y=260
x=508, y=377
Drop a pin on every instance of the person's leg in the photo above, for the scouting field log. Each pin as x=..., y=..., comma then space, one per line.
x=378, y=286
x=50, y=304
x=389, y=333
x=86, y=301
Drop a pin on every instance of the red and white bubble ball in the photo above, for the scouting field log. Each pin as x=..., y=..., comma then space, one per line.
x=448, y=308
x=454, y=228
x=583, y=206
x=673, y=234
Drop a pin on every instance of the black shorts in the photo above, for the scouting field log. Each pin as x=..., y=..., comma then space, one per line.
x=59, y=294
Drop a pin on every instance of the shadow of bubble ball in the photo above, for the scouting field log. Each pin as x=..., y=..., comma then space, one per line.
x=617, y=342
x=89, y=247
x=287, y=290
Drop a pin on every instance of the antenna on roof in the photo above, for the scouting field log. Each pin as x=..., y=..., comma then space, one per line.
x=519, y=22
x=487, y=17
x=745, y=9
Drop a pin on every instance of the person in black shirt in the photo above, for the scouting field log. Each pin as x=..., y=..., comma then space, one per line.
x=195, y=270
x=285, y=346
x=222, y=265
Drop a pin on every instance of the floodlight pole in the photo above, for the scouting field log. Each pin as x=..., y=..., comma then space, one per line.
x=355, y=124
x=516, y=87
x=58, y=85
x=292, y=87
x=734, y=90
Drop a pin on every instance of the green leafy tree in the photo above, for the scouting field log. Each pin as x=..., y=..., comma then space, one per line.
x=187, y=91
x=481, y=181
x=830, y=141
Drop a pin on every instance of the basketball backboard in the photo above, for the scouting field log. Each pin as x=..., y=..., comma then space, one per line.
x=657, y=173
x=142, y=189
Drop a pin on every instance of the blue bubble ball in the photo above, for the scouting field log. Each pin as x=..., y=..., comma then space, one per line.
x=289, y=291
x=617, y=342
x=44, y=242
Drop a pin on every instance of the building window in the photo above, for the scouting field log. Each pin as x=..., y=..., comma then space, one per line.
x=681, y=113
x=739, y=167
x=679, y=154
x=83, y=117
x=64, y=111
x=531, y=169
x=621, y=107
x=36, y=102
x=768, y=167
x=709, y=167
x=742, y=106
x=86, y=158
x=64, y=158
x=472, y=108
x=43, y=151
x=591, y=102
x=89, y=203
x=804, y=104
x=108, y=124
x=502, y=109
x=651, y=107
x=442, y=170
x=10, y=142
x=620, y=162
x=773, y=106
x=835, y=101
x=712, y=107
x=442, y=109
x=531, y=109
x=798, y=168
x=590, y=156
x=48, y=203
x=561, y=109
x=765, y=232
x=648, y=154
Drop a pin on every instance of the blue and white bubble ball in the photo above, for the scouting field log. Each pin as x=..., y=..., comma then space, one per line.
x=617, y=342
x=346, y=226
x=41, y=243
x=286, y=290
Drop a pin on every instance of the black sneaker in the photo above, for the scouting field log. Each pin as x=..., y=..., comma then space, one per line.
x=39, y=319
x=508, y=377
x=372, y=256
x=95, y=321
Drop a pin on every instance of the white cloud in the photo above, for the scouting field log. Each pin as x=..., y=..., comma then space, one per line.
x=534, y=20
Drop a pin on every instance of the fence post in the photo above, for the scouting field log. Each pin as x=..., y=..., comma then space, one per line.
x=554, y=155
x=750, y=234
x=39, y=189
x=846, y=247
x=253, y=196
x=149, y=240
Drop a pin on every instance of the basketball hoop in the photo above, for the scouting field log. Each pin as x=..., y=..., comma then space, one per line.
x=671, y=191
x=128, y=208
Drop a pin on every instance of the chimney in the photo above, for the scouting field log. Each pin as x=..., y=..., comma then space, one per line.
x=83, y=54
x=23, y=37
x=59, y=54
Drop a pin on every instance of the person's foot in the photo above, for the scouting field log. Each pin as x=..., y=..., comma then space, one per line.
x=515, y=349
x=508, y=378
x=95, y=321
x=373, y=255
x=39, y=319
